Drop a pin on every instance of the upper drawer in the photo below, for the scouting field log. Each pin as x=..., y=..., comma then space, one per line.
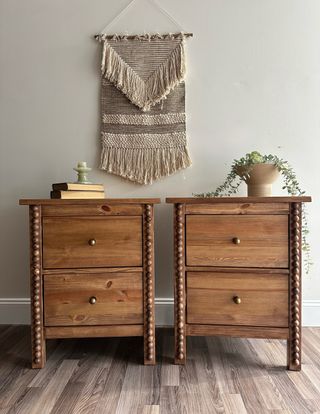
x=92, y=242
x=257, y=241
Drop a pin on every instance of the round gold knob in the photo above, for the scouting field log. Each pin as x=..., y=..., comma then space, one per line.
x=236, y=240
x=236, y=300
x=92, y=242
x=93, y=300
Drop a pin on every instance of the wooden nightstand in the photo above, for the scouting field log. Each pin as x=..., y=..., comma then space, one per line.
x=238, y=270
x=92, y=271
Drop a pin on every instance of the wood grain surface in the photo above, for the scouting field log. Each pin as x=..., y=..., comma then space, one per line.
x=238, y=208
x=294, y=342
x=52, y=202
x=91, y=272
x=223, y=375
x=149, y=341
x=118, y=242
x=38, y=343
x=118, y=299
x=54, y=332
x=240, y=272
x=263, y=240
x=179, y=285
x=264, y=299
x=102, y=209
x=238, y=331
x=218, y=200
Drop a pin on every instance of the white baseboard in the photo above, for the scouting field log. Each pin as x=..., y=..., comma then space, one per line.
x=311, y=313
x=16, y=311
x=164, y=311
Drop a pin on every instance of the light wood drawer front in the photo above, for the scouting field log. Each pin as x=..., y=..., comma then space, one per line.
x=211, y=240
x=118, y=299
x=238, y=208
x=212, y=296
x=93, y=210
x=117, y=242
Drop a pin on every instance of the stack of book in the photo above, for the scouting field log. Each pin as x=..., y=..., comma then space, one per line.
x=77, y=190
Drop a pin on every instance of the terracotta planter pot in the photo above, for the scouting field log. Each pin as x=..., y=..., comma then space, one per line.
x=259, y=179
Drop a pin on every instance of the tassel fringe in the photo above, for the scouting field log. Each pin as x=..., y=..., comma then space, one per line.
x=167, y=76
x=160, y=83
x=117, y=71
x=144, y=165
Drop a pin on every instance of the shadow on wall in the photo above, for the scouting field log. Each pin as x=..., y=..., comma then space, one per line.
x=164, y=250
x=15, y=249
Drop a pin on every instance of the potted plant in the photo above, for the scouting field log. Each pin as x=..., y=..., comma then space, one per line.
x=259, y=172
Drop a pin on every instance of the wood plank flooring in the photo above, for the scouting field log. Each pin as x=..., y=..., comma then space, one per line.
x=105, y=376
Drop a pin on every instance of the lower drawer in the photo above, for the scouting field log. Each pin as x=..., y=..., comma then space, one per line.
x=93, y=299
x=237, y=299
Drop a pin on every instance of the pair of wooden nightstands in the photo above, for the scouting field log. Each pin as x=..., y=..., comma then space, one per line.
x=237, y=270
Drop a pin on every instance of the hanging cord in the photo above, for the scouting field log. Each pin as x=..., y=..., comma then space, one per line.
x=165, y=13
x=129, y=5
x=122, y=12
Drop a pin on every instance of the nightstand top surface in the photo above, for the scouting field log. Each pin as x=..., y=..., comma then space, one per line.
x=214, y=200
x=95, y=201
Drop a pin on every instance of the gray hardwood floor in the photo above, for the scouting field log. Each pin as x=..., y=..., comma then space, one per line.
x=222, y=375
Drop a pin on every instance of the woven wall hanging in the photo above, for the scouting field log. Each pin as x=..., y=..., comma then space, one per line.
x=143, y=128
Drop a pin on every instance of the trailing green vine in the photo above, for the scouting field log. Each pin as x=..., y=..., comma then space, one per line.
x=233, y=180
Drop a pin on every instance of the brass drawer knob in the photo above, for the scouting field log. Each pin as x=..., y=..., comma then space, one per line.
x=92, y=242
x=236, y=240
x=93, y=300
x=236, y=300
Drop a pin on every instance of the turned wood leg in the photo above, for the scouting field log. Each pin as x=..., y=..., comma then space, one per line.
x=148, y=287
x=179, y=286
x=294, y=341
x=38, y=346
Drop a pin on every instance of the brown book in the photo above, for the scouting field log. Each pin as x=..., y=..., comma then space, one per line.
x=77, y=187
x=76, y=194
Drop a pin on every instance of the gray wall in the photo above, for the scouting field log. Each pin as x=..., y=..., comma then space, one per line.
x=253, y=84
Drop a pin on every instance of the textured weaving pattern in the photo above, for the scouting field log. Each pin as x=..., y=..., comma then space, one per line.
x=170, y=140
x=158, y=119
x=143, y=107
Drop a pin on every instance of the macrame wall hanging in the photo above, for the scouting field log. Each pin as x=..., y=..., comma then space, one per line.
x=143, y=128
